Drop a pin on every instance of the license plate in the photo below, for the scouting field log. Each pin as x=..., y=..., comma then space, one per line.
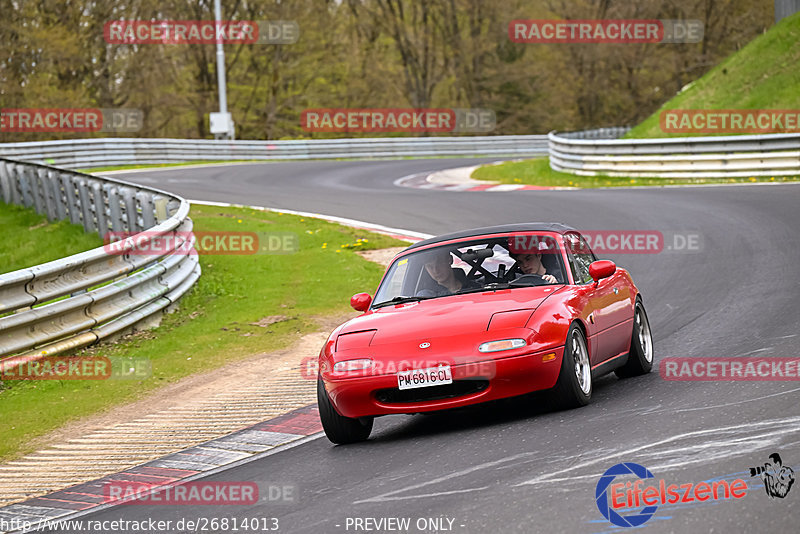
x=420, y=378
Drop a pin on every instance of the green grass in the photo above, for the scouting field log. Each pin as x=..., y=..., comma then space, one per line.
x=212, y=326
x=538, y=172
x=96, y=170
x=28, y=239
x=765, y=74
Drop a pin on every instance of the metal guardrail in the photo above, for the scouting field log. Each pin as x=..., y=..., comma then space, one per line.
x=613, y=132
x=75, y=301
x=684, y=157
x=88, y=153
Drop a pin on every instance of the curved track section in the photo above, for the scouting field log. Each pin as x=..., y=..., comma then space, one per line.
x=515, y=466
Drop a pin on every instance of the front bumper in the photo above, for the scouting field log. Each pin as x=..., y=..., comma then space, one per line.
x=473, y=383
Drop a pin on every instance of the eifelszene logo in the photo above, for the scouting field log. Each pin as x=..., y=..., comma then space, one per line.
x=627, y=495
x=778, y=478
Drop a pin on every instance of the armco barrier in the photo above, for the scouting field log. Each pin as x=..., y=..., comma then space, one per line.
x=685, y=157
x=88, y=153
x=106, y=294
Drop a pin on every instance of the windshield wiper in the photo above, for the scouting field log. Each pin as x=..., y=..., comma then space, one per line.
x=494, y=286
x=488, y=287
x=398, y=300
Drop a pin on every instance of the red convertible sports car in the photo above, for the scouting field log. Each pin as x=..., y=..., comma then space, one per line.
x=480, y=315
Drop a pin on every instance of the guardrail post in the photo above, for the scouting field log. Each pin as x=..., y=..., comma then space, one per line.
x=114, y=210
x=49, y=194
x=71, y=198
x=160, y=208
x=130, y=208
x=86, y=208
x=26, y=178
x=15, y=173
x=58, y=198
x=5, y=182
x=38, y=190
x=100, y=209
x=172, y=207
x=146, y=203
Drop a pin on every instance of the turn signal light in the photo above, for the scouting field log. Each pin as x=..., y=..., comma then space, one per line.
x=352, y=365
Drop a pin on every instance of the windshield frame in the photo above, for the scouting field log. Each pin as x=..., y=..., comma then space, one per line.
x=404, y=256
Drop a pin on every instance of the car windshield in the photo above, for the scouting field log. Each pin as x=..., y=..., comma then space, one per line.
x=520, y=260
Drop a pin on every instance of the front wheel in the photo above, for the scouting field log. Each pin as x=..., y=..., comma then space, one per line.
x=574, y=386
x=640, y=358
x=339, y=429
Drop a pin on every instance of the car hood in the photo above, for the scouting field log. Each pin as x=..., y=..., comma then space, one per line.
x=453, y=315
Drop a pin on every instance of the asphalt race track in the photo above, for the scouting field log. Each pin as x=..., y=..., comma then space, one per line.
x=518, y=467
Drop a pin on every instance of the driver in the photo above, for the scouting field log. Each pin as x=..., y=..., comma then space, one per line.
x=532, y=264
x=448, y=279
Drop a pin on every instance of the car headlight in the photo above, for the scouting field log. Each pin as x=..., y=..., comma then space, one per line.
x=352, y=365
x=501, y=344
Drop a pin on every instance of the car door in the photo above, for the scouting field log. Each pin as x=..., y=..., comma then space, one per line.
x=600, y=301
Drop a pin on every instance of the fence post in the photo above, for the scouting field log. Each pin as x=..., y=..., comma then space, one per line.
x=86, y=208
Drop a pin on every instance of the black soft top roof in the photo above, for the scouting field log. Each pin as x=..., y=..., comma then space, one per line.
x=500, y=229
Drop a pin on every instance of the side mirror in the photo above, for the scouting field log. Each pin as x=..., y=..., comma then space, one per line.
x=360, y=301
x=601, y=269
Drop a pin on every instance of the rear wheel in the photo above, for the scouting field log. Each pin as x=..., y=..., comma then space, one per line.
x=339, y=429
x=640, y=359
x=574, y=385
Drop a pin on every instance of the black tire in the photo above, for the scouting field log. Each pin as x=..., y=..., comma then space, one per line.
x=640, y=358
x=571, y=391
x=339, y=429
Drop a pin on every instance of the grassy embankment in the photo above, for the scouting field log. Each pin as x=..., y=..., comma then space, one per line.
x=212, y=326
x=763, y=75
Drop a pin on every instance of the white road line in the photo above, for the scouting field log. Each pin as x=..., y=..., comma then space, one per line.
x=732, y=446
x=390, y=495
x=341, y=220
